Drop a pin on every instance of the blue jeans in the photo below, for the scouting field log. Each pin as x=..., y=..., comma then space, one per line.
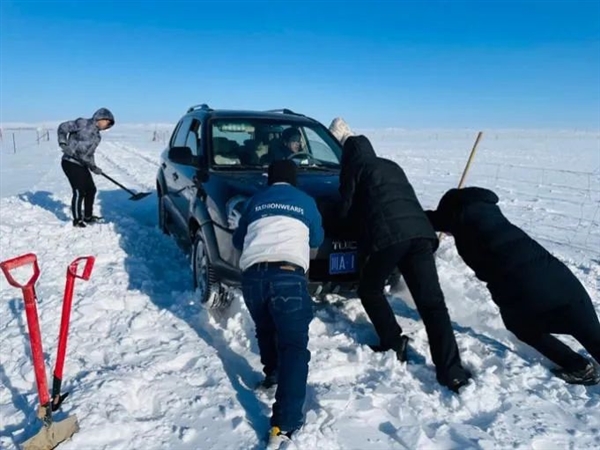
x=281, y=307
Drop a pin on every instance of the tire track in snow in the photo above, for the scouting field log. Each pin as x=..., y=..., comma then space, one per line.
x=133, y=347
x=134, y=151
x=119, y=160
x=147, y=251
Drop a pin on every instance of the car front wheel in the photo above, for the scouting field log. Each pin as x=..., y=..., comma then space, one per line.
x=208, y=290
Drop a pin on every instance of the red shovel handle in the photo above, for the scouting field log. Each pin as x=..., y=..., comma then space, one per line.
x=64, y=323
x=35, y=338
x=19, y=261
x=87, y=270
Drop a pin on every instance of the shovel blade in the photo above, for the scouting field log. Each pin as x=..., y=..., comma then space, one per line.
x=50, y=437
x=139, y=196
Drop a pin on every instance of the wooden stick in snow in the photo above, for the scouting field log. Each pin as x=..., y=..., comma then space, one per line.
x=466, y=169
x=473, y=150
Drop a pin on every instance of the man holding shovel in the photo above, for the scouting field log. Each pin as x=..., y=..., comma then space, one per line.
x=78, y=140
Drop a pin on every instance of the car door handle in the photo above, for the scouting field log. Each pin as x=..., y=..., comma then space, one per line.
x=175, y=176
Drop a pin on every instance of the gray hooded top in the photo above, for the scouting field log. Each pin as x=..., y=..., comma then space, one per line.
x=79, y=138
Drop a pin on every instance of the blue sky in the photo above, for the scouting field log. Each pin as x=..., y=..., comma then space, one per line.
x=429, y=64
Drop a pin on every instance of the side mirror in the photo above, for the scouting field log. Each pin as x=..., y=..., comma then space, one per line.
x=181, y=155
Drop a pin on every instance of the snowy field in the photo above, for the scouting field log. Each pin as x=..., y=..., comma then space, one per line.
x=148, y=369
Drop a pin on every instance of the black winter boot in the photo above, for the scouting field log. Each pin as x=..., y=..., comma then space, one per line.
x=400, y=347
x=587, y=376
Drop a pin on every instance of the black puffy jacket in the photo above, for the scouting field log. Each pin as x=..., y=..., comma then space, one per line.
x=378, y=197
x=521, y=274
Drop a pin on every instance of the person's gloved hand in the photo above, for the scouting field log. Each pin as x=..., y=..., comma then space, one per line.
x=234, y=219
x=97, y=170
x=65, y=148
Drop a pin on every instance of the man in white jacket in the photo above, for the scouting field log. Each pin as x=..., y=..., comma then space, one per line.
x=275, y=234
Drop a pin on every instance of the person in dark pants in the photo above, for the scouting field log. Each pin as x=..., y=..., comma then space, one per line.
x=395, y=233
x=537, y=294
x=78, y=140
x=275, y=233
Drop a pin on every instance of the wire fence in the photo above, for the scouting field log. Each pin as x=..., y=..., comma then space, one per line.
x=560, y=205
x=18, y=139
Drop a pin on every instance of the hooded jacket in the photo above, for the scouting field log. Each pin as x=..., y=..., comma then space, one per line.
x=377, y=196
x=519, y=272
x=79, y=138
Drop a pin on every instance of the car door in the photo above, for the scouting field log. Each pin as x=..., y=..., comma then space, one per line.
x=188, y=183
x=175, y=172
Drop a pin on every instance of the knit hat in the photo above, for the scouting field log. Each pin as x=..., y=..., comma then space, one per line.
x=340, y=129
x=282, y=171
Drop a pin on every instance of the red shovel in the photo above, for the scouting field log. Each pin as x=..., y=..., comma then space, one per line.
x=57, y=398
x=52, y=433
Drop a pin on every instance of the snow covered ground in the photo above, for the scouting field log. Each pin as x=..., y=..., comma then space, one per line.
x=147, y=368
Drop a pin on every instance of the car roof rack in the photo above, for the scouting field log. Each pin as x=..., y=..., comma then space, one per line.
x=283, y=111
x=203, y=106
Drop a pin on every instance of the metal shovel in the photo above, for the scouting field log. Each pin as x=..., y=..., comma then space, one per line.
x=134, y=196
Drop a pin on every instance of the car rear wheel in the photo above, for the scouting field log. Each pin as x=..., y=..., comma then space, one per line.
x=208, y=290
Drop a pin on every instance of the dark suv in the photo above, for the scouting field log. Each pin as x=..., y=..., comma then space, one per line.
x=215, y=161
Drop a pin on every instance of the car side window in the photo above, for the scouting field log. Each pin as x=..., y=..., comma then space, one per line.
x=174, y=134
x=193, y=138
x=319, y=148
x=182, y=133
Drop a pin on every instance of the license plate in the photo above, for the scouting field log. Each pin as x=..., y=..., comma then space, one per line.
x=342, y=263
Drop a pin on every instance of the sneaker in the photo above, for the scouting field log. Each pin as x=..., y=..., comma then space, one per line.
x=587, y=376
x=400, y=348
x=92, y=219
x=278, y=438
x=79, y=224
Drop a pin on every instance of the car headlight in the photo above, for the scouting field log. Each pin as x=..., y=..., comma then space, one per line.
x=234, y=209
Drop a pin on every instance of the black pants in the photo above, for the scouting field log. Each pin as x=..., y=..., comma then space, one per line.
x=84, y=189
x=414, y=258
x=578, y=319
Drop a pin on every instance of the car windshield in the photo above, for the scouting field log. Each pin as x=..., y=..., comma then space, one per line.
x=255, y=143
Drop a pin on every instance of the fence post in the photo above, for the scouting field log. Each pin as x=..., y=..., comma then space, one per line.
x=14, y=143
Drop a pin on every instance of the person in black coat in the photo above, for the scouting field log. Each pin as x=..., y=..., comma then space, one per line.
x=394, y=232
x=536, y=293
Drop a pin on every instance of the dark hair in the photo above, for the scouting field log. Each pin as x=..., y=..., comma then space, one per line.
x=289, y=133
x=283, y=171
